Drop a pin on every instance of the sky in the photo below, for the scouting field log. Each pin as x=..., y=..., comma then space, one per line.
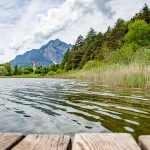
x=28, y=24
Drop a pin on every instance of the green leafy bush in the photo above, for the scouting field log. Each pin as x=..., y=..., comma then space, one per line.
x=92, y=64
x=59, y=71
x=125, y=54
x=3, y=71
x=51, y=73
x=27, y=70
x=53, y=67
x=139, y=33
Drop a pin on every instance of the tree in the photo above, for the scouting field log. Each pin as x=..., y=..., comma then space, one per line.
x=16, y=70
x=114, y=37
x=74, y=60
x=3, y=71
x=41, y=70
x=8, y=67
x=27, y=70
x=65, y=59
x=79, y=41
x=139, y=33
x=90, y=36
x=122, y=41
x=144, y=14
x=53, y=67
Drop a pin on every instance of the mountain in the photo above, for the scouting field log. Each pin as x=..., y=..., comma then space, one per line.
x=52, y=52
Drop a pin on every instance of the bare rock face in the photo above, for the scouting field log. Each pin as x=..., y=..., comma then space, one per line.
x=52, y=52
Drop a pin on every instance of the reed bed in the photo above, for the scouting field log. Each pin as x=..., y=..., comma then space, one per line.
x=134, y=75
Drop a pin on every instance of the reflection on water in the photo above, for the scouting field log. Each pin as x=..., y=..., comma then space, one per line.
x=59, y=106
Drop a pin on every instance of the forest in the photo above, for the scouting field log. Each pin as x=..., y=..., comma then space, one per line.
x=118, y=44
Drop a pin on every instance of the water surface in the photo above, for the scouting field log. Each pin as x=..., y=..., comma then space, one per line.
x=59, y=106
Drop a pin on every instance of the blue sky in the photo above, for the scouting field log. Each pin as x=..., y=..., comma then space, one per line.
x=27, y=24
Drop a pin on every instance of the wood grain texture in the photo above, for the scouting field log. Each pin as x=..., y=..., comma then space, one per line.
x=144, y=142
x=104, y=141
x=44, y=142
x=9, y=140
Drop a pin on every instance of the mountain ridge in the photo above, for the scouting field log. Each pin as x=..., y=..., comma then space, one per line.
x=52, y=52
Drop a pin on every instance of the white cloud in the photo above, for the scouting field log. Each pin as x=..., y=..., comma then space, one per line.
x=60, y=18
x=30, y=23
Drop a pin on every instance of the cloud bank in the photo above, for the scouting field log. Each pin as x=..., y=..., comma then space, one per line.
x=60, y=18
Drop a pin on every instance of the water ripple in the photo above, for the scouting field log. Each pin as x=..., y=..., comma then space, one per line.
x=59, y=106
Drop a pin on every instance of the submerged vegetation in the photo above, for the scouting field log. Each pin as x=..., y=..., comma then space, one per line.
x=118, y=57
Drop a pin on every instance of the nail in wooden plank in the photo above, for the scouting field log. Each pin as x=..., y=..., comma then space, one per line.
x=144, y=142
x=9, y=140
x=104, y=141
x=44, y=142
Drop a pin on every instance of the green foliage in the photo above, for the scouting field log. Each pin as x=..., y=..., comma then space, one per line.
x=74, y=59
x=85, y=51
x=28, y=70
x=79, y=41
x=67, y=66
x=144, y=14
x=51, y=73
x=124, y=54
x=6, y=70
x=92, y=64
x=93, y=50
x=41, y=70
x=53, y=67
x=16, y=70
x=3, y=71
x=118, y=44
x=139, y=33
x=90, y=36
x=142, y=56
x=8, y=67
x=65, y=60
x=59, y=71
x=115, y=37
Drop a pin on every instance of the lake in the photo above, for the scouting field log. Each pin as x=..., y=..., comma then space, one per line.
x=60, y=106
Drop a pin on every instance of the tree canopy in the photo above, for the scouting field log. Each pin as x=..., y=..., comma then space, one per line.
x=139, y=33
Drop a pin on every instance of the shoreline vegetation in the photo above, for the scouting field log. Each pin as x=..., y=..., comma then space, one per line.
x=134, y=75
x=120, y=57
x=114, y=75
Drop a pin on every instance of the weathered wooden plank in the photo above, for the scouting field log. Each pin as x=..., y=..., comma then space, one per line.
x=144, y=142
x=44, y=142
x=9, y=140
x=104, y=141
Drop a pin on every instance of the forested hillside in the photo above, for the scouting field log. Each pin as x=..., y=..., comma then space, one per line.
x=118, y=44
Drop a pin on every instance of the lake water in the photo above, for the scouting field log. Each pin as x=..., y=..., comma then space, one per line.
x=59, y=106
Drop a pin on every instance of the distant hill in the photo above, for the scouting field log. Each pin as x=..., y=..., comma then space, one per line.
x=52, y=52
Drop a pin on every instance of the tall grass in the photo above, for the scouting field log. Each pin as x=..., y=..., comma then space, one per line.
x=134, y=75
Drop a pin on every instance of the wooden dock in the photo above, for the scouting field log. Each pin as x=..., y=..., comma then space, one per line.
x=82, y=141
